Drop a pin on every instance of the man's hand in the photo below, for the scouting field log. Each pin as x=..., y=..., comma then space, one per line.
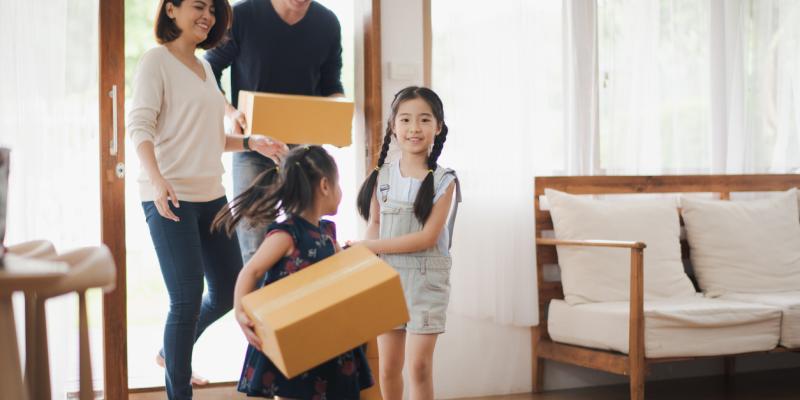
x=237, y=118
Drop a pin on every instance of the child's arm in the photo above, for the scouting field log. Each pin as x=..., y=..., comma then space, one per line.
x=271, y=250
x=417, y=241
x=374, y=224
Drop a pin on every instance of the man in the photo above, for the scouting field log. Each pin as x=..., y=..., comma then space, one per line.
x=277, y=46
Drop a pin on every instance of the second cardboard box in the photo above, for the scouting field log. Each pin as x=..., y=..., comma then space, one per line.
x=326, y=309
x=295, y=119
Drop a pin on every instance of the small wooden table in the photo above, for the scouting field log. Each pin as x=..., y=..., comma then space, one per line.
x=17, y=277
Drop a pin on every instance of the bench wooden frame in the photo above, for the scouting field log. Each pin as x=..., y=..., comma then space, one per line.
x=634, y=364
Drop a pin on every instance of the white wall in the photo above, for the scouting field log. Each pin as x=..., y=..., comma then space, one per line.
x=469, y=344
x=401, y=46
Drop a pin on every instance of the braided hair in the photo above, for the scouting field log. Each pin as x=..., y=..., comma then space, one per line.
x=289, y=189
x=423, y=204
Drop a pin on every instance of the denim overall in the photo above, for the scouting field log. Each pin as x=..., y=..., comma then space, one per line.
x=425, y=274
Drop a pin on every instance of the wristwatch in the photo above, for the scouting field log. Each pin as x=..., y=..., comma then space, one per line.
x=246, y=143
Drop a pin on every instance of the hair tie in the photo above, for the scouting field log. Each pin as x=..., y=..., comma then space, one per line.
x=430, y=171
x=377, y=168
x=277, y=169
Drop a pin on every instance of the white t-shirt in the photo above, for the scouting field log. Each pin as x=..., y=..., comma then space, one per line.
x=405, y=189
x=183, y=116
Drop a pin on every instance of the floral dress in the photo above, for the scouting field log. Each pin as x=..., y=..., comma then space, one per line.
x=341, y=378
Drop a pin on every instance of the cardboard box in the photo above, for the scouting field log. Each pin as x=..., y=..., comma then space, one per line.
x=326, y=309
x=296, y=119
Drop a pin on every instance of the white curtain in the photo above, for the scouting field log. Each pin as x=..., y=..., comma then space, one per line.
x=761, y=55
x=48, y=117
x=502, y=97
x=579, y=26
x=699, y=87
x=654, y=86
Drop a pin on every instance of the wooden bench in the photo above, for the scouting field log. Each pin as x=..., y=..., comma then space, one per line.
x=634, y=364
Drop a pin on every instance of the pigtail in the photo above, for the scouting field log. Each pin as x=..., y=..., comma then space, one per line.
x=423, y=203
x=258, y=204
x=367, y=191
x=298, y=194
x=290, y=189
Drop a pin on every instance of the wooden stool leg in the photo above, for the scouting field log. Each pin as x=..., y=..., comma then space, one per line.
x=86, y=385
x=11, y=385
x=31, y=318
x=37, y=366
x=537, y=364
x=42, y=353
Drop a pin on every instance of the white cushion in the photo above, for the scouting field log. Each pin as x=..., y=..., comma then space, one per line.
x=672, y=328
x=744, y=246
x=789, y=304
x=595, y=274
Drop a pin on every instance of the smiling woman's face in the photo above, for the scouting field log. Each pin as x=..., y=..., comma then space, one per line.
x=194, y=18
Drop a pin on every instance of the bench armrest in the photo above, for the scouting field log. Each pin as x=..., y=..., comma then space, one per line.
x=591, y=243
x=636, y=324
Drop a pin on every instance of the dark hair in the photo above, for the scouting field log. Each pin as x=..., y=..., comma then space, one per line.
x=167, y=30
x=290, y=188
x=423, y=204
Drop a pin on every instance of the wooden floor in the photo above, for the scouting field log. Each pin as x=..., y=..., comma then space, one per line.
x=768, y=385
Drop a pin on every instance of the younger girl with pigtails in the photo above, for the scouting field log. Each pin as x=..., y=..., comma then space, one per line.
x=303, y=189
x=406, y=204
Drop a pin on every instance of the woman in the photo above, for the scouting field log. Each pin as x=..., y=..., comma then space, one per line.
x=176, y=125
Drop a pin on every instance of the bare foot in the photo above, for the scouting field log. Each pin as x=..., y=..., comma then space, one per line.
x=197, y=380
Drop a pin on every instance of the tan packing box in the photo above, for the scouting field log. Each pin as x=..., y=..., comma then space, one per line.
x=298, y=119
x=326, y=309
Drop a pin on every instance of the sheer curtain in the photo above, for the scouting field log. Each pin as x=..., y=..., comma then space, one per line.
x=654, y=86
x=699, y=87
x=579, y=19
x=761, y=44
x=48, y=117
x=502, y=99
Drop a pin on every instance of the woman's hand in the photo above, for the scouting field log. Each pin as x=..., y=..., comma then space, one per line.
x=163, y=194
x=269, y=147
x=247, y=327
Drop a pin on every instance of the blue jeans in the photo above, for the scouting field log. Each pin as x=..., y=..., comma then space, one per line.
x=188, y=252
x=246, y=167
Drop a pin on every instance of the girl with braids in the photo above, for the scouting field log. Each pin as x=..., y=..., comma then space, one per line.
x=406, y=204
x=304, y=189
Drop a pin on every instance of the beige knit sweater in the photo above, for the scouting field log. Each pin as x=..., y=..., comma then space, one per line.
x=183, y=116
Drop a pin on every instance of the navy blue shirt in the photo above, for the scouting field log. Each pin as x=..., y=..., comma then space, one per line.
x=268, y=55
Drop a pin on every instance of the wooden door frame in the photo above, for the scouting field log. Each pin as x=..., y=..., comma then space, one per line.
x=112, y=188
x=427, y=43
x=111, y=29
x=373, y=82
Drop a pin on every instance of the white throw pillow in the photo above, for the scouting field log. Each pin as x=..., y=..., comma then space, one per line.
x=597, y=274
x=744, y=246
